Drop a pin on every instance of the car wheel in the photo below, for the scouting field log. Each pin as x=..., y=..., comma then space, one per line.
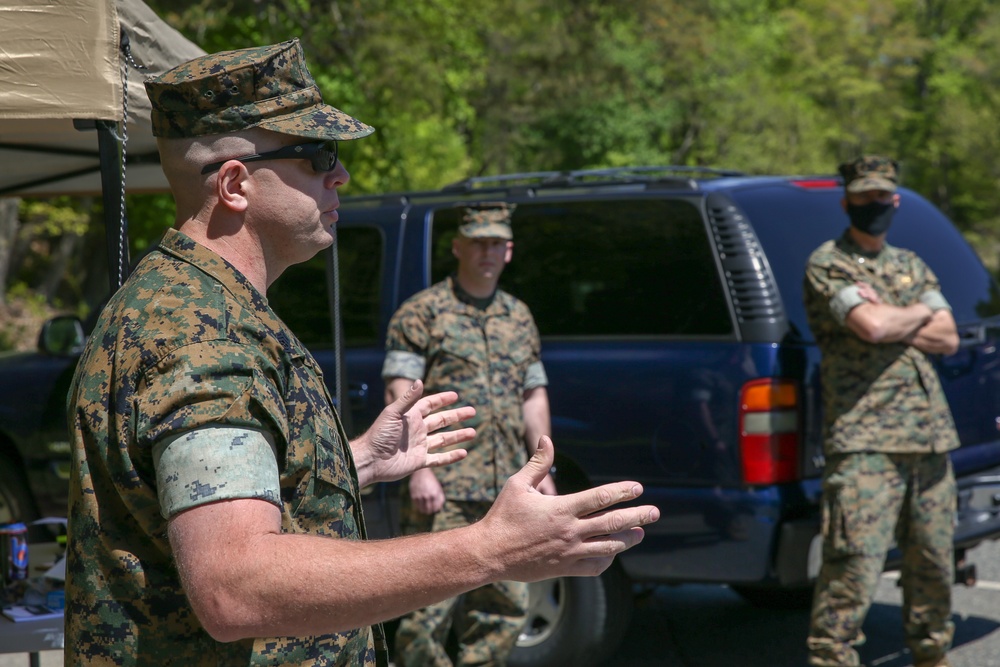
x=574, y=621
x=16, y=503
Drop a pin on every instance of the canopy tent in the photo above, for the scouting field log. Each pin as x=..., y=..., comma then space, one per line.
x=65, y=68
x=61, y=70
x=69, y=76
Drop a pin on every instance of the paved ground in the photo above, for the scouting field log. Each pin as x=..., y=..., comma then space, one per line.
x=710, y=626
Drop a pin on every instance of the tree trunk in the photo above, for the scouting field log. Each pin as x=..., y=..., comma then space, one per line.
x=62, y=253
x=9, y=224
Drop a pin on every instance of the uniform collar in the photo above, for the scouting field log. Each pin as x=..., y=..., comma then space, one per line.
x=494, y=303
x=846, y=243
x=182, y=247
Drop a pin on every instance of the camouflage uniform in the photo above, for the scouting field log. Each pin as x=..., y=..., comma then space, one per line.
x=186, y=343
x=887, y=433
x=187, y=357
x=489, y=357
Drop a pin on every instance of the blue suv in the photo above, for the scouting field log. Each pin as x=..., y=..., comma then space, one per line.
x=678, y=353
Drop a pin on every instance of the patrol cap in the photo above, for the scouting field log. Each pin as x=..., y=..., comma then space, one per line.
x=267, y=87
x=870, y=172
x=487, y=220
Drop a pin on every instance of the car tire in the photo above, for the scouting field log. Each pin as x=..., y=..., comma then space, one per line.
x=16, y=502
x=574, y=621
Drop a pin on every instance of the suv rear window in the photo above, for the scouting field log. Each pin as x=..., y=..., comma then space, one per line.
x=628, y=267
x=791, y=222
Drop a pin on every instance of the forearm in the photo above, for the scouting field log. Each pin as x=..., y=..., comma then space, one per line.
x=938, y=336
x=294, y=585
x=882, y=323
x=396, y=387
x=245, y=578
x=537, y=416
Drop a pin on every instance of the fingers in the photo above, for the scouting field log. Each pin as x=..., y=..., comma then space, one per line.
x=539, y=465
x=598, y=548
x=433, y=402
x=445, y=458
x=615, y=522
x=591, y=501
x=439, y=420
x=449, y=438
x=410, y=397
x=598, y=554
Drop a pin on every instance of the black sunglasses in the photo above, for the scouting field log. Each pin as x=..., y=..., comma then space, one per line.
x=322, y=155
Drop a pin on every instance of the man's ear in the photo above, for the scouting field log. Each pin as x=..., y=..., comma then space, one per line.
x=230, y=186
x=509, y=253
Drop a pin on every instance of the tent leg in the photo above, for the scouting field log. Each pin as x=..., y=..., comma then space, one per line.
x=115, y=224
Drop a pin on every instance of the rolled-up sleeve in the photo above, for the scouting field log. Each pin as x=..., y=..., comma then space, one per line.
x=215, y=463
x=844, y=301
x=399, y=364
x=535, y=376
x=934, y=300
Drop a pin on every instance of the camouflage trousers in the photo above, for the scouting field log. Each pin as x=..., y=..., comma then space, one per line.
x=869, y=498
x=486, y=621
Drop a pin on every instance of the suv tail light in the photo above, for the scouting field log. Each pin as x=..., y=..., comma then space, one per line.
x=769, y=431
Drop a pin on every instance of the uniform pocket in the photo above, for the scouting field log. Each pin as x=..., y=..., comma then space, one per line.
x=331, y=467
x=861, y=500
x=840, y=520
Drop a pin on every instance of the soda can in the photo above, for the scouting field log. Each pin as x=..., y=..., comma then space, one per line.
x=14, y=551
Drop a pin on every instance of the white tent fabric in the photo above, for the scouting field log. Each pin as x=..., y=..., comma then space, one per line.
x=60, y=62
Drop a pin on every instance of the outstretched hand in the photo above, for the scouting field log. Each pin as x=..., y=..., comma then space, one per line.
x=404, y=437
x=537, y=536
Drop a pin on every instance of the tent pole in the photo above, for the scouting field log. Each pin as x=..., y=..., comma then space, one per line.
x=115, y=224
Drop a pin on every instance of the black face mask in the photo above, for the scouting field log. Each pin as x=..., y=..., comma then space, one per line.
x=873, y=219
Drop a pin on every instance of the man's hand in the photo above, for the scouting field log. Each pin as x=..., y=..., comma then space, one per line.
x=426, y=492
x=547, y=486
x=530, y=536
x=868, y=293
x=403, y=436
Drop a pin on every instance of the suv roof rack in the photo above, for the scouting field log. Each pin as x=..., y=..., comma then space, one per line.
x=670, y=174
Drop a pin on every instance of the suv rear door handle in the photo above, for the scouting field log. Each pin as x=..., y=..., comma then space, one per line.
x=969, y=336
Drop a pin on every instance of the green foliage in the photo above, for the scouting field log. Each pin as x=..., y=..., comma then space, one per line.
x=459, y=88
x=54, y=217
x=148, y=217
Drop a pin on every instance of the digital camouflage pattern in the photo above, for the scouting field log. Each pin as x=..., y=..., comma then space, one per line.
x=888, y=429
x=487, y=221
x=870, y=172
x=268, y=87
x=484, y=356
x=885, y=397
x=188, y=342
x=488, y=619
x=863, y=494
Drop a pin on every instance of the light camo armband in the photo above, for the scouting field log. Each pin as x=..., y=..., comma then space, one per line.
x=844, y=301
x=934, y=300
x=400, y=364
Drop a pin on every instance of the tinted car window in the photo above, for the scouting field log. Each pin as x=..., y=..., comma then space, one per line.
x=301, y=299
x=633, y=267
x=791, y=222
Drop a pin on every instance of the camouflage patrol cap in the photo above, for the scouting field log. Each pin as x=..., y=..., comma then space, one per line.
x=870, y=172
x=488, y=220
x=267, y=87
